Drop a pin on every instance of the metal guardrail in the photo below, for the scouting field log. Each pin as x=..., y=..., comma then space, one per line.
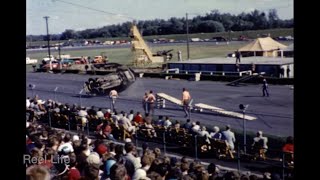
x=223, y=73
x=281, y=163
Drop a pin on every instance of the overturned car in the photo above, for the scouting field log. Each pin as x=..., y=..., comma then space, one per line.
x=119, y=80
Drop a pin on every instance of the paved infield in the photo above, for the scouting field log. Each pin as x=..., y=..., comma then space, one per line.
x=274, y=114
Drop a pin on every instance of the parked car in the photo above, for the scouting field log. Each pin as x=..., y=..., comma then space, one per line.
x=219, y=39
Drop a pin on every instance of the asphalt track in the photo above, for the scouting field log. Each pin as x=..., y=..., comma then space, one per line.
x=274, y=114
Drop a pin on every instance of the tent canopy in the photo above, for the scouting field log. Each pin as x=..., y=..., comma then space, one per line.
x=263, y=44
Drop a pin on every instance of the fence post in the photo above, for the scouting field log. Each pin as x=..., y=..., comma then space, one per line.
x=238, y=154
x=49, y=115
x=88, y=127
x=136, y=139
x=55, y=93
x=69, y=122
x=196, y=146
x=164, y=142
x=283, y=164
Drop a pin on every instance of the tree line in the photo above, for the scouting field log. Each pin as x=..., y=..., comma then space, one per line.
x=211, y=22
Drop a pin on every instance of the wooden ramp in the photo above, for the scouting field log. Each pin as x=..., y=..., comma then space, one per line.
x=170, y=98
x=224, y=112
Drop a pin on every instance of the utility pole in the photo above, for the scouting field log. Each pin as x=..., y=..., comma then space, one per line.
x=48, y=39
x=187, y=23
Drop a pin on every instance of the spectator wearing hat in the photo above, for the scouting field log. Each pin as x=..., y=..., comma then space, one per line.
x=140, y=174
x=228, y=135
x=66, y=145
x=92, y=168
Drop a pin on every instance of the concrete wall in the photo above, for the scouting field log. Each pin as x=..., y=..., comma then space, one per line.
x=270, y=70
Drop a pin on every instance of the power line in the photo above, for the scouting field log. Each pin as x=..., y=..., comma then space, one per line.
x=93, y=9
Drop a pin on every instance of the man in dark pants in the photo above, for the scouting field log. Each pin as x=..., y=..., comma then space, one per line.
x=265, y=88
x=238, y=55
x=150, y=101
x=185, y=101
x=288, y=71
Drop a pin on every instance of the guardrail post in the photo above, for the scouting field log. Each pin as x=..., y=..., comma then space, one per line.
x=164, y=142
x=238, y=154
x=196, y=146
x=244, y=134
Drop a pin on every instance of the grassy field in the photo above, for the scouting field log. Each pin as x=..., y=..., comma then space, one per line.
x=125, y=56
x=236, y=34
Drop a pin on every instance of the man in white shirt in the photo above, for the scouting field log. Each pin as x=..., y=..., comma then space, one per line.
x=228, y=135
x=113, y=96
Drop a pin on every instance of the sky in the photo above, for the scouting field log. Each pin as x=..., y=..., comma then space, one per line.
x=85, y=14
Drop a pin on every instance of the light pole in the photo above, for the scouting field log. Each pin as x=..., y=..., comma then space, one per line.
x=243, y=108
x=48, y=39
x=187, y=24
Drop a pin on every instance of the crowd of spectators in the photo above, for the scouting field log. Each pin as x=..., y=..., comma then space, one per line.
x=57, y=154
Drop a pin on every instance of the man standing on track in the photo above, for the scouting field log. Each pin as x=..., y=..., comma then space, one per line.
x=113, y=96
x=265, y=88
x=185, y=101
x=150, y=101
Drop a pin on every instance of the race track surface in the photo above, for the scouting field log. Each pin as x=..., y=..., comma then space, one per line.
x=274, y=114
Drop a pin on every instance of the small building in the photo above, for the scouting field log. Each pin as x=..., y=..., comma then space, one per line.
x=262, y=47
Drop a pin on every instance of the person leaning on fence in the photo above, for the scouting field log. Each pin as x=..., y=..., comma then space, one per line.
x=185, y=101
x=113, y=95
x=228, y=135
x=260, y=142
